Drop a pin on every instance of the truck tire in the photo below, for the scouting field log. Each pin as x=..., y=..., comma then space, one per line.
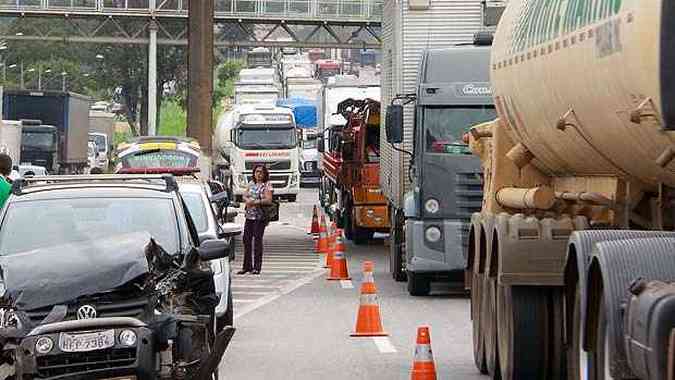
x=488, y=320
x=361, y=235
x=598, y=363
x=477, y=281
x=397, y=249
x=523, y=332
x=577, y=360
x=418, y=284
x=347, y=222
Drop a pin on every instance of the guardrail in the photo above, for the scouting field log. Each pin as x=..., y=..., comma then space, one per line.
x=348, y=10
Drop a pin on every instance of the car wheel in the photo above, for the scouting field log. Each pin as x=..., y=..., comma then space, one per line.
x=228, y=318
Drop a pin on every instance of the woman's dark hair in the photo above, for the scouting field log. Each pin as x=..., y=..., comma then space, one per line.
x=266, y=173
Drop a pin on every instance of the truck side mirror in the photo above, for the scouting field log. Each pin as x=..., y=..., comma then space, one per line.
x=232, y=135
x=320, y=144
x=394, y=124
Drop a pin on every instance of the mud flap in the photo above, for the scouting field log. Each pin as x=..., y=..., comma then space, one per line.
x=209, y=365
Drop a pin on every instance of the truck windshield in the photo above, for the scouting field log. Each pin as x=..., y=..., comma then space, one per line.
x=42, y=140
x=65, y=221
x=99, y=140
x=310, y=142
x=266, y=138
x=444, y=127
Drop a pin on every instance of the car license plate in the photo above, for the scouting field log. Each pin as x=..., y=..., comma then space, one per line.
x=87, y=341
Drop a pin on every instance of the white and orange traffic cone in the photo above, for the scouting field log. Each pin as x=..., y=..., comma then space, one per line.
x=338, y=269
x=332, y=246
x=423, y=364
x=322, y=243
x=314, y=227
x=368, y=321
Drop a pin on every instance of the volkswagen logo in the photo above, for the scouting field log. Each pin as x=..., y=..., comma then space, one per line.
x=86, y=312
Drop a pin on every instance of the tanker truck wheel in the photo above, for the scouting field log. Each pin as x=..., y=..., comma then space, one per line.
x=577, y=358
x=523, y=331
x=477, y=331
x=488, y=319
x=598, y=363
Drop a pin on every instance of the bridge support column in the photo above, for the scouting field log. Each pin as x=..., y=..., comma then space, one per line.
x=152, y=80
x=200, y=72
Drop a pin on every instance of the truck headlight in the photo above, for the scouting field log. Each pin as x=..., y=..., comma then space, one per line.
x=128, y=338
x=44, y=345
x=432, y=206
x=433, y=234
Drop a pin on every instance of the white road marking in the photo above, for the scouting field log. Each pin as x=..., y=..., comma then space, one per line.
x=254, y=286
x=240, y=293
x=346, y=284
x=240, y=312
x=244, y=301
x=384, y=345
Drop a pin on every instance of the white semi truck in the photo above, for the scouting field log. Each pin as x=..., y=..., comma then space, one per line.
x=259, y=134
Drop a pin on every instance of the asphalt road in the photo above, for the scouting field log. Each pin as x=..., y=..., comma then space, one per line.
x=293, y=324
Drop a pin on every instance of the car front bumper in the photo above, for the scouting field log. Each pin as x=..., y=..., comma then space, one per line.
x=118, y=361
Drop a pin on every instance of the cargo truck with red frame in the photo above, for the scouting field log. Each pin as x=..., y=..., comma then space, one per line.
x=351, y=170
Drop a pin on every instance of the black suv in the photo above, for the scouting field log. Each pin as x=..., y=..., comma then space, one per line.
x=103, y=277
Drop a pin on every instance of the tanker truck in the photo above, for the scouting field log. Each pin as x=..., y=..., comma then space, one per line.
x=570, y=255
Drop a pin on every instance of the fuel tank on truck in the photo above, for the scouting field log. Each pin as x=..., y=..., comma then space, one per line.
x=588, y=86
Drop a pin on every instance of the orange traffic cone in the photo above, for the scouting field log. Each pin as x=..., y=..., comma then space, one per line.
x=332, y=246
x=338, y=270
x=368, y=321
x=322, y=243
x=314, y=228
x=423, y=364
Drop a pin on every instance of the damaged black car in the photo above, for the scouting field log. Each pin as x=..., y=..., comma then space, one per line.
x=102, y=277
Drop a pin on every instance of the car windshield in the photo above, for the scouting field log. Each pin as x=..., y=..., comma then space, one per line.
x=197, y=209
x=159, y=158
x=266, y=138
x=37, y=140
x=445, y=127
x=65, y=221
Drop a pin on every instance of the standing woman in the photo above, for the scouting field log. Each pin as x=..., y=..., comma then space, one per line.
x=259, y=193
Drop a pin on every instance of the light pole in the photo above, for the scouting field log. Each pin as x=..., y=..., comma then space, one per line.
x=31, y=70
x=63, y=81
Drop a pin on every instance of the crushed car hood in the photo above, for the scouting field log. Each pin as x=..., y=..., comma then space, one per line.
x=54, y=275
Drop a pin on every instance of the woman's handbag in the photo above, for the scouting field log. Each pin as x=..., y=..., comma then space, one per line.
x=270, y=212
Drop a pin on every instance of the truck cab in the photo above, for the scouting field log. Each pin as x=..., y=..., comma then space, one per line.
x=453, y=94
x=39, y=144
x=266, y=135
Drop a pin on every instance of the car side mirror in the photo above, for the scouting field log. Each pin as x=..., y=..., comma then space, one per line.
x=320, y=145
x=213, y=249
x=394, y=124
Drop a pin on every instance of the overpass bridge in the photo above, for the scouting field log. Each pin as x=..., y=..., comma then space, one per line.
x=244, y=23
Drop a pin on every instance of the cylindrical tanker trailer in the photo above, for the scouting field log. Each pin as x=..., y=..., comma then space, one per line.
x=579, y=193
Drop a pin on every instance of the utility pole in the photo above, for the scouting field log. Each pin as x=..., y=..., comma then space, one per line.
x=200, y=72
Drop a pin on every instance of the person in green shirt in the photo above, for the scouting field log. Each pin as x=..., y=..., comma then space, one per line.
x=5, y=171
